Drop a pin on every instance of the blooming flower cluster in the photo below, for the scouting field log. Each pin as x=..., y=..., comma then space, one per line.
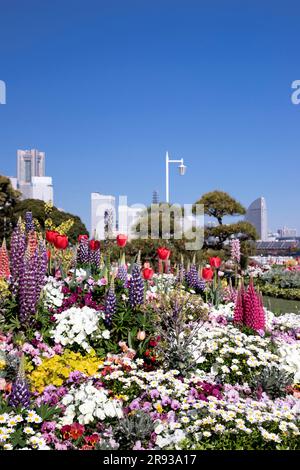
x=163, y=282
x=57, y=369
x=25, y=426
x=88, y=403
x=79, y=326
x=53, y=293
x=203, y=412
x=117, y=358
x=231, y=354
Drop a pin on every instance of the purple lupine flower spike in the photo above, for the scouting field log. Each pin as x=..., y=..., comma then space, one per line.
x=95, y=258
x=193, y=279
x=83, y=251
x=20, y=394
x=17, y=252
x=122, y=273
x=136, y=289
x=29, y=224
x=28, y=289
x=110, y=306
x=193, y=276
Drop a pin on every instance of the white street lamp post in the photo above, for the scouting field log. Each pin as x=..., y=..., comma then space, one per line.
x=181, y=168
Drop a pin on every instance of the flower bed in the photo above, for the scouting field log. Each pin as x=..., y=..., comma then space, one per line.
x=95, y=356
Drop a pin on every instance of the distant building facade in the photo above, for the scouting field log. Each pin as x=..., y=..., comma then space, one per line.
x=286, y=232
x=278, y=248
x=31, y=180
x=42, y=188
x=107, y=218
x=30, y=163
x=103, y=214
x=257, y=215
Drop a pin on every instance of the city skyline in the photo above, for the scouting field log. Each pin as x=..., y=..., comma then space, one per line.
x=88, y=219
x=211, y=85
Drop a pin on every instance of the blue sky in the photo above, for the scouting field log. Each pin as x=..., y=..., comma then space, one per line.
x=106, y=87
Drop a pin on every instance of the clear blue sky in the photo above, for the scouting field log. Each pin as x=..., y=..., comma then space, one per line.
x=106, y=87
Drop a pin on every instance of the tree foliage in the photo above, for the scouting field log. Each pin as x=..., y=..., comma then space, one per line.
x=217, y=236
x=165, y=216
x=9, y=198
x=219, y=204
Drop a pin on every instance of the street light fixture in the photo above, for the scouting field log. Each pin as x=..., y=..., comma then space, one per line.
x=181, y=168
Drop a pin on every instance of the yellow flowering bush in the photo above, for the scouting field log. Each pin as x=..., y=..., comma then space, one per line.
x=56, y=370
x=63, y=228
x=4, y=290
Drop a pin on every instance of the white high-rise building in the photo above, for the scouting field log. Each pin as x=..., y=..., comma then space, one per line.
x=30, y=163
x=31, y=180
x=42, y=188
x=103, y=214
x=257, y=215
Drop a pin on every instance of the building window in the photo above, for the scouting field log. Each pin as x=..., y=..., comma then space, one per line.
x=27, y=171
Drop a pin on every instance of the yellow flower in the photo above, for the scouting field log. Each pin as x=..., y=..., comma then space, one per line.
x=159, y=408
x=57, y=369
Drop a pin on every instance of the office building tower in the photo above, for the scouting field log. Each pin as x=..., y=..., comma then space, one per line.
x=257, y=215
x=30, y=163
x=31, y=180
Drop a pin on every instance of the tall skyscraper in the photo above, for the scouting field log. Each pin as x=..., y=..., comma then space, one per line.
x=257, y=215
x=30, y=163
x=31, y=180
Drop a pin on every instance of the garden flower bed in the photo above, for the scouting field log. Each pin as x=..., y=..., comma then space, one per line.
x=97, y=356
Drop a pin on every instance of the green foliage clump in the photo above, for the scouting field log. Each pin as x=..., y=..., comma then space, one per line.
x=273, y=381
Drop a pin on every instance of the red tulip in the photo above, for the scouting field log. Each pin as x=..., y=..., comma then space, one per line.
x=50, y=236
x=61, y=242
x=48, y=254
x=94, y=245
x=163, y=253
x=82, y=237
x=215, y=262
x=121, y=240
x=147, y=273
x=207, y=274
